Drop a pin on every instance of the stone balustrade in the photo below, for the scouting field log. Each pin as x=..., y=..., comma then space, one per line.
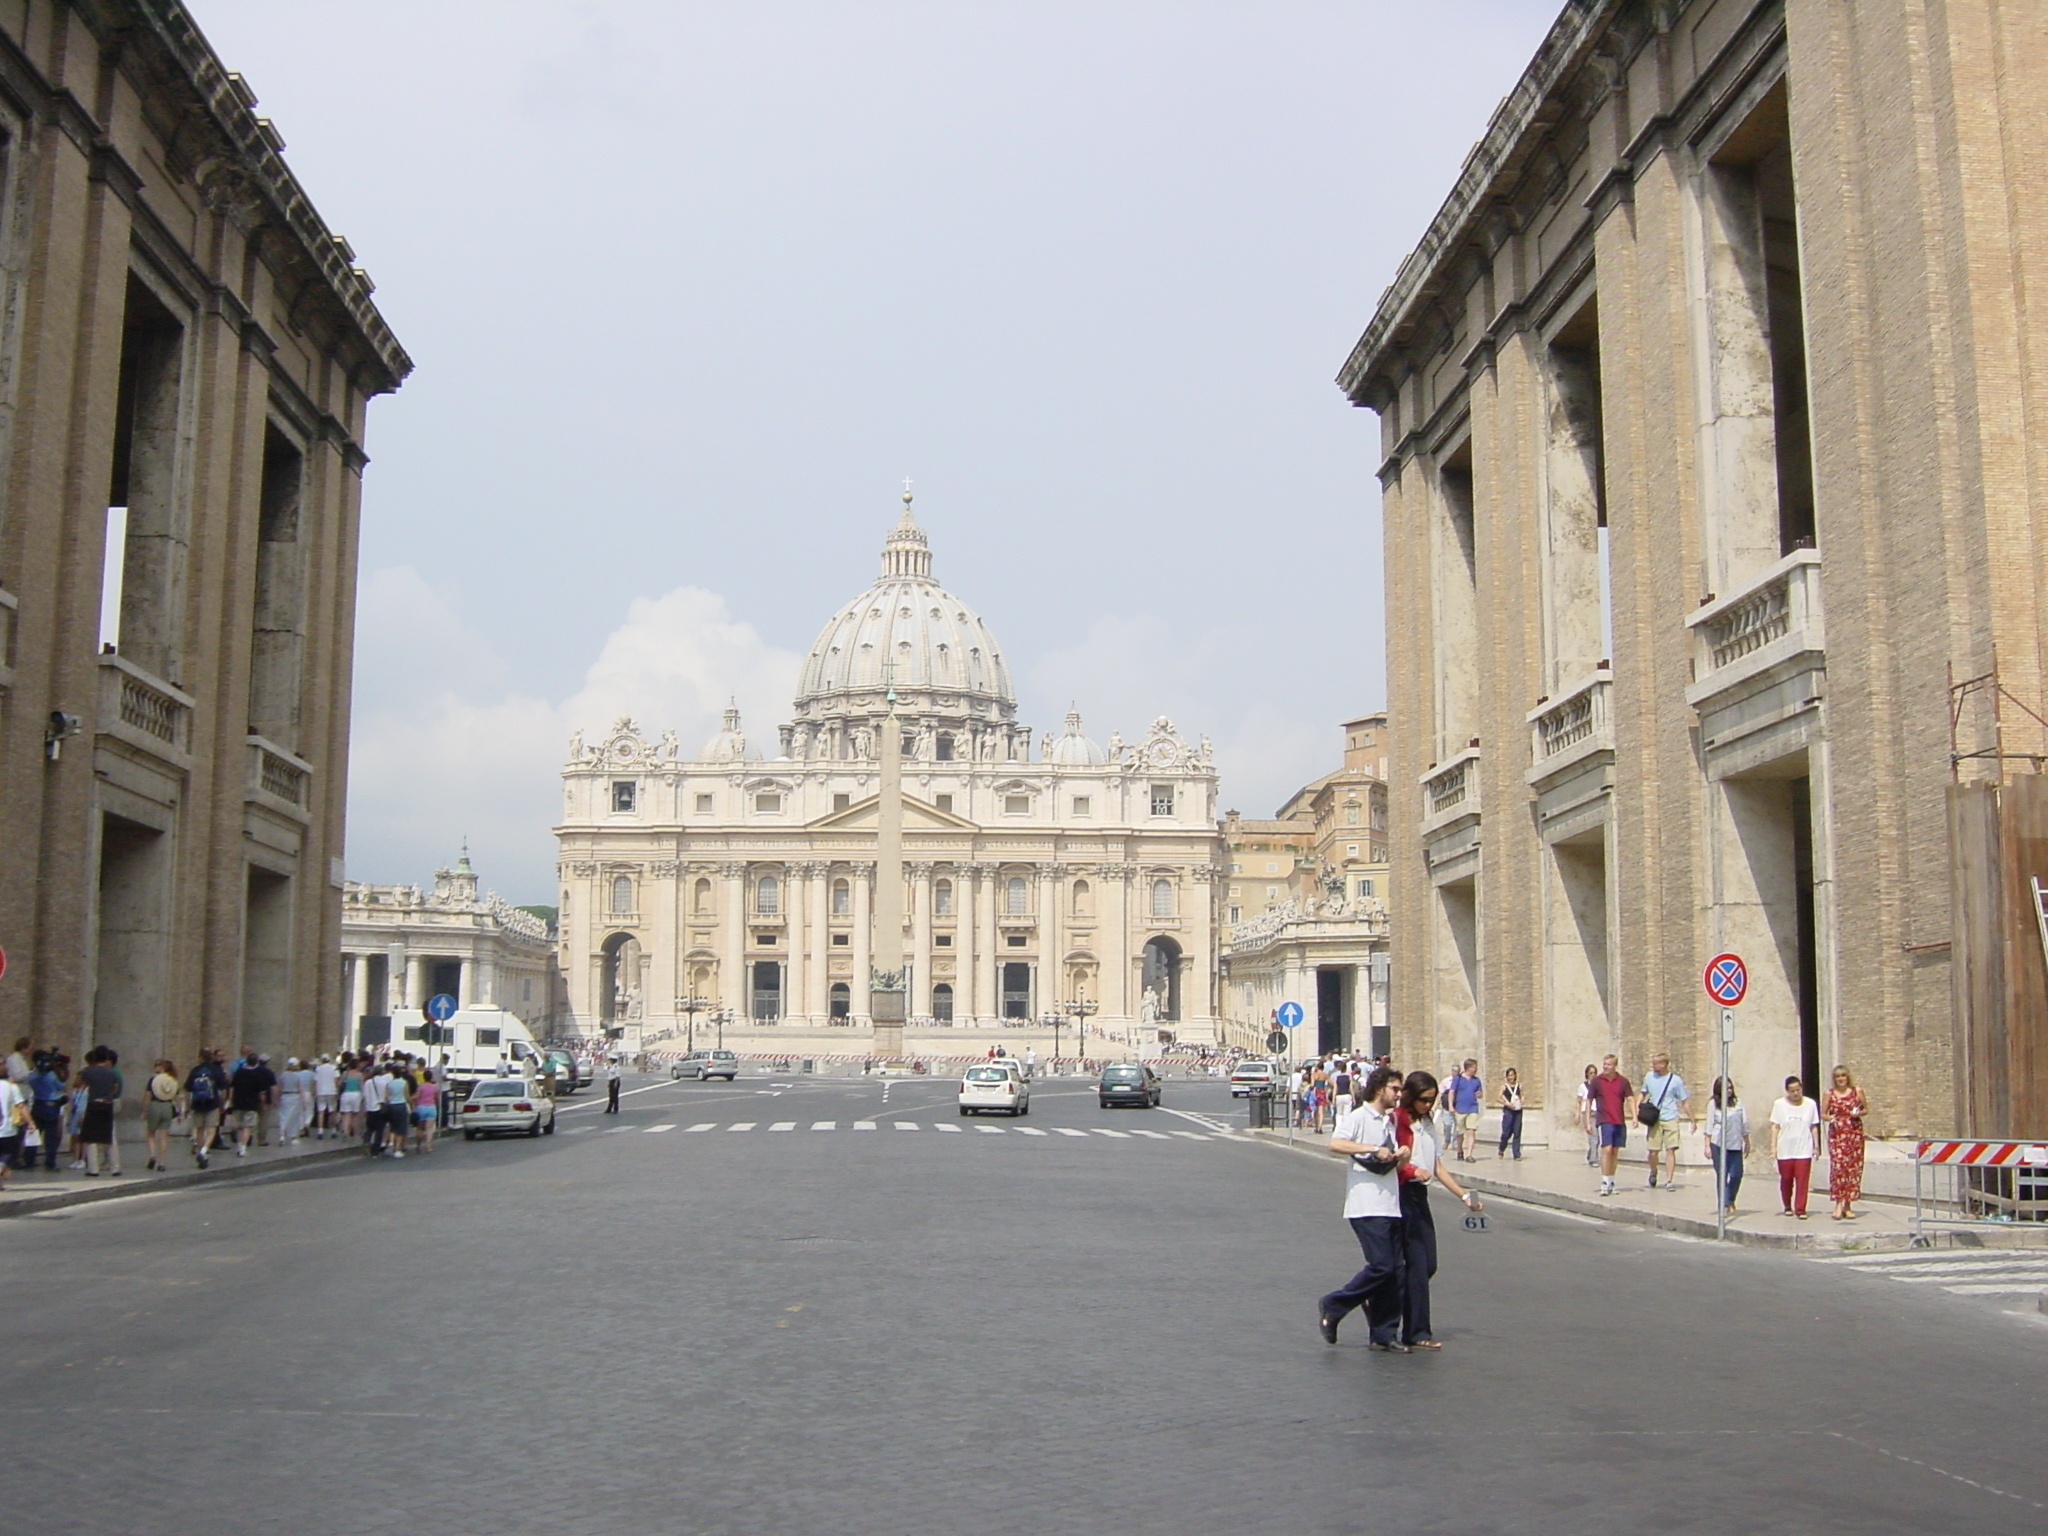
x=144, y=711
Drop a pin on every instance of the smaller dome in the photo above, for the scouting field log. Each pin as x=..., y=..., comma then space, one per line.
x=1071, y=749
x=729, y=745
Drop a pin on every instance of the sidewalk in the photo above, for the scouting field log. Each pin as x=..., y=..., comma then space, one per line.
x=1561, y=1181
x=30, y=1193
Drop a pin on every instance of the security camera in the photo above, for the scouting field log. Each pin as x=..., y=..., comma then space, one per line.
x=61, y=727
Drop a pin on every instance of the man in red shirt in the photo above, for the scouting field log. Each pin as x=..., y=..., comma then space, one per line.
x=1612, y=1097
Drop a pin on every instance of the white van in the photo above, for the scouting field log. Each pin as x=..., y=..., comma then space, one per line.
x=484, y=1032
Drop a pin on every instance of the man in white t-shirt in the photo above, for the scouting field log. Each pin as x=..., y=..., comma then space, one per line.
x=326, y=1097
x=1372, y=1204
x=1795, y=1139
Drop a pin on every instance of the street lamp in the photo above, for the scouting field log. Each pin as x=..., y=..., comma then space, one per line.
x=1052, y=1019
x=1079, y=1008
x=721, y=1017
x=689, y=1008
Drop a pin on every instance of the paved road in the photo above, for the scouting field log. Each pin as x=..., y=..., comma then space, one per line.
x=625, y=1329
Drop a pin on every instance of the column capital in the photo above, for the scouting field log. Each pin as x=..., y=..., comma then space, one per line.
x=920, y=869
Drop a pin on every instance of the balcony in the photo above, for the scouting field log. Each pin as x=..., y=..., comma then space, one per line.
x=145, y=714
x=1450, y=816
x=7, y=622
x=278, y=781
x=1760, y=667
x=1571, y=755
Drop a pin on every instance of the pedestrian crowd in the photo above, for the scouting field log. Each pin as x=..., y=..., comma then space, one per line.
x=389, y=1101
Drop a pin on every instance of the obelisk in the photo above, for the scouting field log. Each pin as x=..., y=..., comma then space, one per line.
x=889, y=986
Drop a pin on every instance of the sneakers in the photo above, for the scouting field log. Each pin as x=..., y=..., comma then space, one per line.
x=1653, y=1178
x=1607, y=1186
x=396, y=1153
x=202, y=1161
x=241, y=1149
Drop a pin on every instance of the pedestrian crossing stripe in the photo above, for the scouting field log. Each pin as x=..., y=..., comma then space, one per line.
x=824, y=1125
x=742, y=1125
x=705, y=1126
x=1065, y=1132
x=907, y=1125
x=655, y=1130
x=863, y=1125
x=1943, y=1268
x=783, y=1125
x=992, y=1130
x=1105, y=1131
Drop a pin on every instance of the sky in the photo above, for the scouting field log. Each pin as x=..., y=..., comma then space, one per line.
x=692, y=287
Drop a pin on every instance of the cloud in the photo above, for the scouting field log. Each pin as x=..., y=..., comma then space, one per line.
x=446, y=746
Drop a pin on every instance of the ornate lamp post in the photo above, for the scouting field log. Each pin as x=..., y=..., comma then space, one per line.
x=721, y=1017
x=1053, y=1019
x=1078, y=1008
x=689, y=1008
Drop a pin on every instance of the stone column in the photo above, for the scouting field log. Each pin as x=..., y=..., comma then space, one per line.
x=479, y=981
x=920, y=1000
x=1120, y=941
x=359, y=997
x=988, y=974
x=862, y=876
x=419, y=982
x=1198, y=1000
x=819, y=1003
x=1051, y=947
x=966, y=911
x=796, y=966
x=732, y=948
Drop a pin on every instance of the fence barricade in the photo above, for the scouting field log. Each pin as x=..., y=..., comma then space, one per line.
x=1978, y=1184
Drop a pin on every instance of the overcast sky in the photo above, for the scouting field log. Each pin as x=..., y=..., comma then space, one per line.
x=691, y=287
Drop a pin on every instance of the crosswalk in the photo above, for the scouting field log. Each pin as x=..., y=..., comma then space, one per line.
x=944, y=1128
x=2007, y=1272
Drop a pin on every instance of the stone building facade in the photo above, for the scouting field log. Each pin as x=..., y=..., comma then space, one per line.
x=1711, y=411
x=1034, y=877
x=1303, y=909
x=187, y=355
x=401, y=945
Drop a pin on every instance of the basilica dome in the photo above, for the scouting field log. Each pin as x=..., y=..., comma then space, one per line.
x=906, y=632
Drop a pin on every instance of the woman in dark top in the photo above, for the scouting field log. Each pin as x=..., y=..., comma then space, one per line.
x=1414, y=1129
x=102, y=1083
x=1510, y=1114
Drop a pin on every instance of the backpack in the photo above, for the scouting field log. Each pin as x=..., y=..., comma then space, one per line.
x=202, y=1087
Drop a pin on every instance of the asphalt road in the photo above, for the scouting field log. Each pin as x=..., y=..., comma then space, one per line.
x=628, y=1329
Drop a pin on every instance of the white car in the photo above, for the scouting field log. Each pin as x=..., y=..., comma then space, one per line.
x=506, y=1106
x=1248, y=1077
x=995, y=1085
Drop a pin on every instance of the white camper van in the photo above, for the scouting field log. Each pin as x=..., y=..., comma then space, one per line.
x=483, y=1033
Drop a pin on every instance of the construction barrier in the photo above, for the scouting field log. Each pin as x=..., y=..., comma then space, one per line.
x=1978, y=1183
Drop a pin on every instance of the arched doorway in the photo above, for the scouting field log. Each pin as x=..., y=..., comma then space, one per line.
x=942, y=1002
x=618, y=983
x=1159, y=997
x=842, y=1003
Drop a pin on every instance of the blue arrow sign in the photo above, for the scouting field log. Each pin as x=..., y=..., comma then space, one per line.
x=1289, y=1015
x=441, y=1006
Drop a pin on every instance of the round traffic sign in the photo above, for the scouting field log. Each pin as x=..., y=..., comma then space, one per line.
x=1289, y=1015
x=1727, y=980
x=1277, y=1041
x=441, y=1006
x=3, y=962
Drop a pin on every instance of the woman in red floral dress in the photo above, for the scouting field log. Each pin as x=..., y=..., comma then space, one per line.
x=1843, y=1109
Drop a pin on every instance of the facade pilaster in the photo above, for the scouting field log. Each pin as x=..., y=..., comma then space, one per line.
x=818, y=938
x=986, y=976
x=732, y=945
x=863, y=877
x=921, y=939
x=966, y=912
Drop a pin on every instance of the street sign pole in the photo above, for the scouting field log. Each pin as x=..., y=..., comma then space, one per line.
x=1727, y=983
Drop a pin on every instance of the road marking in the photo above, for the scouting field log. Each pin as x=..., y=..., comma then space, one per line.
x=1105, y=1131
x=656, y=1129
x=992, y=1130
x=824, y=1125
x=741, y=1125
x=578, y=1130
x=1029, y=1130
x=707, y=1125
x=1192, y=1135
x=863, y=1125
x=783, y=1125
x=1062, y=1130
x=1155, y=1135
x=1983, y=1272
x=908, y=1125
x=953, y=1128
x=1206, y=1122
x=1993, y=1290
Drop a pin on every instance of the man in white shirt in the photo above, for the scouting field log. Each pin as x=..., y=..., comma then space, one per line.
x=326, y=1098
x=611, y=1086
x=1372, y=1204
x=1795, y=1139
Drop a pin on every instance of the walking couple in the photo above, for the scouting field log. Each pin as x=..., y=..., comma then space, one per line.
x=1391, y=1145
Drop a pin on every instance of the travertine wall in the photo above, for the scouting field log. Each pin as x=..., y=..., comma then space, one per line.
x=1645, y=815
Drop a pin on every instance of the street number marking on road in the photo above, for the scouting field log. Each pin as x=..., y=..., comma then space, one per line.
x=1289, y=1015
x=1065, y=1132
x=1726, y=979
x=783, y=1125
x=1476, y=1222
x=654, y=1130
x=708, y=1125
x=741, y=1125
x=863, y=1125
x=824, y=1125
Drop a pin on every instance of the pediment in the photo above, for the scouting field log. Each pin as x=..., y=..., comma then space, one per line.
x=918, y=815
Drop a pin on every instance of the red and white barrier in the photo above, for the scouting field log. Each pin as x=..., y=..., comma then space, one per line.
x=1984, y=1154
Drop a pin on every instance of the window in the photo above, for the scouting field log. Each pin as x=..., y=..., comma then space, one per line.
x=764, y=938
x=1016, y=805
x=1365, y=887
x=842, y=1001
x=1272, y=892
x=1082, y=806
x=942, y=1003
x=842, y=939
x=1015, y=940
x=769, y=801
x=945, y=747
x=842, y=899
x=1351, y=813
x=842, y=802
x=1351, y=850
x=1162, y=799
x=1162, y=898
x=942, y=898
x=1247, y=994
x=700, y=898
x=943, y=940
x=943, y=802
x=1237, y=914
x=706, y=804
x=1016, y=897
x=624, y=792
x=1237, y=869
x=767, y=896
x=1016, y=982
x=1081, y=897
x=1272, y=868
x=489, y=1037
x=622, y=893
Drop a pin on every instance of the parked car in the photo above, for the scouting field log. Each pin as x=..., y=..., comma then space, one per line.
x=507, y=1106
x=996, y=1085
x=1128, y=1082
x=1248, y=1077
x=707, y=1064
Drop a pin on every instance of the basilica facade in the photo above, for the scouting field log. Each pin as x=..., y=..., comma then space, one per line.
x=1036, y=876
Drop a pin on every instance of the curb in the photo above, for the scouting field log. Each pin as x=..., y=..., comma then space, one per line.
x=1622, y=1215
x=152, y=1183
